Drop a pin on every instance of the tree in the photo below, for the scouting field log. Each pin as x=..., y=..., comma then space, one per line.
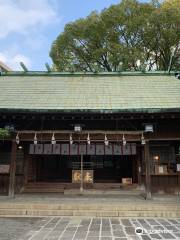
x=82, y=46
x=120, y=37
x=4, y=133
x=164, y=30
x=127, y=22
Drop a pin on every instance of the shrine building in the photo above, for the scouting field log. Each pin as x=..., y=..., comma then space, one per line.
x=90, y=131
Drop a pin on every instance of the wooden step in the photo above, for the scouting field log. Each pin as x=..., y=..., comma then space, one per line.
x=39, y=187
x=43, y=190
x=55, y=187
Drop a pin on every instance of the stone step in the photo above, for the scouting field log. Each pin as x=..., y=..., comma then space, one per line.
x=101, y=192
x=105, y=213
x=67, y=188
x=43, y=188
x=59, y=205
x=99, y=186
x=50, y=190
x=95, y=207
x=45, y=184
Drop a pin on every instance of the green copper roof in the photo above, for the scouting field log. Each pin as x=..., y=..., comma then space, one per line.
x=98, y=93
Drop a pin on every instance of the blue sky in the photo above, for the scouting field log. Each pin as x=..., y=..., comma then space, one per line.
x=28, y=27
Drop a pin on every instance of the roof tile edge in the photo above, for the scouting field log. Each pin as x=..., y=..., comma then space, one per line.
x=45, y=73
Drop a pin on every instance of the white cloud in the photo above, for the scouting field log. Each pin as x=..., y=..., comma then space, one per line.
x=22, y=16
x=13, y=60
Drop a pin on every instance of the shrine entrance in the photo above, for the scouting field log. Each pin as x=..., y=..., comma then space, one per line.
x=51, y=168
x=106, y=169
x=62, y=164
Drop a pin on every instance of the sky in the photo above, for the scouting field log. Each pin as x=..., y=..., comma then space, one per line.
x=28, y=27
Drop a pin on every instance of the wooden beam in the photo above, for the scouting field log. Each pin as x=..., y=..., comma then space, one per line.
x=97, y=136
x=147, y=171
x=12, y=169
x=83, y=132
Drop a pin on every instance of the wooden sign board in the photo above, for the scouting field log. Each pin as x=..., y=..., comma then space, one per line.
x=178, y=167
x=4, y=168
x=161, y=169
x=126, y=181
x=88, y=176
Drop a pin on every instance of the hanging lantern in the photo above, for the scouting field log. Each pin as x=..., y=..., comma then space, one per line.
x=17, y=139
x=106, y=142
x=53, y=140
x=71, y=139
x=35, y=139
x=88, y=140
x=124, y=140
x=149, y=128
x=143, y=141
x=77, y=128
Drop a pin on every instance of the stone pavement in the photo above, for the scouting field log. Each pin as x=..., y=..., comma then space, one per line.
x=87, y=228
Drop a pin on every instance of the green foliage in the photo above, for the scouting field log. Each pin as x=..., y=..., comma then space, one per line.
x=4, y=133
x=120, y=37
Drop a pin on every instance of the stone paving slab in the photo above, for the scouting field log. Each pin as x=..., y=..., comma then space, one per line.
x=88, y=228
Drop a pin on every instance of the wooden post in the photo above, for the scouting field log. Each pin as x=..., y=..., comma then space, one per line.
x=12, y=169
x=147, y=171
x=81, y=187
x=139, y=165
x=26, y=161
x=178, y=183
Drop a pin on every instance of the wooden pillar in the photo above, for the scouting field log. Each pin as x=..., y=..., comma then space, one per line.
x=26, y=160
x=81, y=187
x=139, y=165
x=12, y=169
x=178, y=183
x=147, y=171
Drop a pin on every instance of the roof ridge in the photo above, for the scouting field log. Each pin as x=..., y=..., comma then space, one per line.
x=46, y=73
